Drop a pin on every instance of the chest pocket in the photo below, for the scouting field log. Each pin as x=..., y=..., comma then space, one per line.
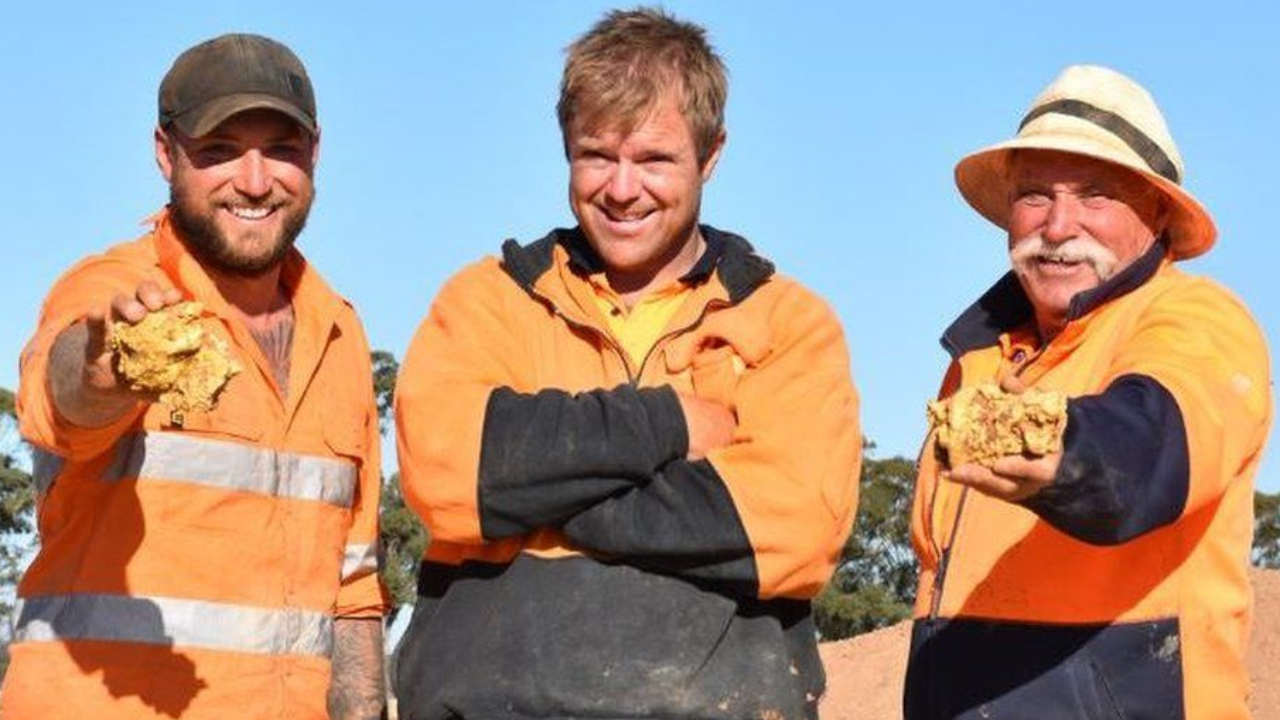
x=713, y=363
x=345, y=429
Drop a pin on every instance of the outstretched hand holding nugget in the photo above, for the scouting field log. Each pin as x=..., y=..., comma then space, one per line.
x=1033, y=426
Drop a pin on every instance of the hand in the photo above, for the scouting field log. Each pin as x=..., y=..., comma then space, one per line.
x=1013, y=478
x=84, y=385
x=99, y=375
x=711, y=425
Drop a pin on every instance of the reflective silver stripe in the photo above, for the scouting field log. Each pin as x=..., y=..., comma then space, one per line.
x=174, y=622
x=183, y=458
x=359, y=560
x=45, y=467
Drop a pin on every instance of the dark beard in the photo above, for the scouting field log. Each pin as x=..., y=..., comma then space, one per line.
x=203, y=238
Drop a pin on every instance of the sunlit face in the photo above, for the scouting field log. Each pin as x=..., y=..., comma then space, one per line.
x=1073, y=223
x=240, y=195
x=637, y=196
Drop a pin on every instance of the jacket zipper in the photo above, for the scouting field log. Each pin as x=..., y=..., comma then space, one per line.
x=944, y=558
x=710, y=305
x=602, y=335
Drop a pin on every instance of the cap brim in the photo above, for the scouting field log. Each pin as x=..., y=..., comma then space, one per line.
x=983, y=180
x=201, y=120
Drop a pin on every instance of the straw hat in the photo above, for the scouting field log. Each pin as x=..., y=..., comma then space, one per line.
x=1096, y=112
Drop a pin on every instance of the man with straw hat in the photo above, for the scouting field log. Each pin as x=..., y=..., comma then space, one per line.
x=1107, y=579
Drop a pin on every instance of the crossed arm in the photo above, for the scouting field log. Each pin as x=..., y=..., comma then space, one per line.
x=618, y=470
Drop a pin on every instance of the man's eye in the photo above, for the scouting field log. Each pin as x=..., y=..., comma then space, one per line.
x=593, y=157
x=217, y=153
x=1095, y=199
x=284, y=152
x=1032, y=198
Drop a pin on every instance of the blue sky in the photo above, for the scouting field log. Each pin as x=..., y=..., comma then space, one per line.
x=845, y=121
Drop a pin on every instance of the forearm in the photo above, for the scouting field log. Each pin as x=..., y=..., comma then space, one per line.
x=683, y=522
x=1125, y=469
x=546, y=456
x=358, y=690
x=75, y=399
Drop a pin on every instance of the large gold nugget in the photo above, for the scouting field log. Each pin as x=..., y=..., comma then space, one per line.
x=982, y=423
x=170, y=354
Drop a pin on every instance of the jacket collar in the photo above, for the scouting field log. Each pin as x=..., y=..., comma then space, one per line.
x=1005, y=306
x=729, y=256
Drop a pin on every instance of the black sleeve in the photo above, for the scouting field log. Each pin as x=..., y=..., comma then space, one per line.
x=1125, y=470
x=545, y=456
x=682, y=522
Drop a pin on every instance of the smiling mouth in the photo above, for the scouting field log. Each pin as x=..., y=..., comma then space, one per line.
x=1059, y=261
x=634, y=218
x=251, y=213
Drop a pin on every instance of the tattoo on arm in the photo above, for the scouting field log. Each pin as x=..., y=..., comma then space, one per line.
x=358, y=690
x=72, y=397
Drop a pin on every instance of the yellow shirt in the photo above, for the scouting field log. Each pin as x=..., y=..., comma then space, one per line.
x=637, y=328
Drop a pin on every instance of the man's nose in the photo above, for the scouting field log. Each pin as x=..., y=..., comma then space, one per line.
x=624, y=184
x=1063, y=221
x=253, y=177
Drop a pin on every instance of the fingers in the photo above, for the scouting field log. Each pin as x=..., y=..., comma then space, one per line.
x=1040, y=469
x=984, y=481
x=149, y=297
x=1012, y=478
x=127, y=308
x=709, y=424
x=1011, y=383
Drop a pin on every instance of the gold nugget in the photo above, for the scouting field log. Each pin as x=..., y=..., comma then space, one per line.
x=170, y=354
x=982, y=423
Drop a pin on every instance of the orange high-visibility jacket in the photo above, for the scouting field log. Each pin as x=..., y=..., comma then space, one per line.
x=194, y=570
x=580, y=566
x=1120, y=591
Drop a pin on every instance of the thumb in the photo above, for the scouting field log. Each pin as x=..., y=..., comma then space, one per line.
x=1011, y=383
x=95, y=347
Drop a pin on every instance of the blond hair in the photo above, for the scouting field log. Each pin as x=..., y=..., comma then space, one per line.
x=617, y=73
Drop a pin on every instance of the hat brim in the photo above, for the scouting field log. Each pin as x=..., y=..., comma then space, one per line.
x=202, y=119
x=984, y=181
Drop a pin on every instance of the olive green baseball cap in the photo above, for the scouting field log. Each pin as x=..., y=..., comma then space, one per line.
x=231, y=74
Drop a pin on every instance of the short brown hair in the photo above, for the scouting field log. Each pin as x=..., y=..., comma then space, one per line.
x=620, y=69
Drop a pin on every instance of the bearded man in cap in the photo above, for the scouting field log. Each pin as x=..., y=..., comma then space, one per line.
x=1108, y=579
x=218, y=561
x=635, y=445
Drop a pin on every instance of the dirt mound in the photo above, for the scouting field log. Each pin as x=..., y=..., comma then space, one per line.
x=864, y=674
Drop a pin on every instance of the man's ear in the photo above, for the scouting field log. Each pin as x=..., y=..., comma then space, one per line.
x=164, y=153
x=1161, y=216
x=315, y=148
x=709, y=165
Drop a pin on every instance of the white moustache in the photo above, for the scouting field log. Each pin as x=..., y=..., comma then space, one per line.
x=1079, y=249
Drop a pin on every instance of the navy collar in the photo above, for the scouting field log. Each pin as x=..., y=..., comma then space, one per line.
x=584, y=259
x=1005, y=306
x=740, y=269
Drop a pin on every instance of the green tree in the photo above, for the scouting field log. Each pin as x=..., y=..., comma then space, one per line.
x=17, y=506
x=401, y=534
x=385, y=370
x=1266, y=530
x=875, y=583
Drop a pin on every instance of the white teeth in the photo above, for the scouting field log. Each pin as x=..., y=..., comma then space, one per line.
x=245, y=213
x=626, y=218
x=1059, y=259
